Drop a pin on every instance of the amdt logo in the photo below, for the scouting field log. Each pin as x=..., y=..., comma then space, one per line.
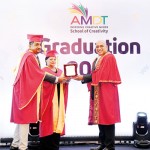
x=83, y=18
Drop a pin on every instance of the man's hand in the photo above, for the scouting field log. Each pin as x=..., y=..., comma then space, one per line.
x=63, y=79
x=78, y=77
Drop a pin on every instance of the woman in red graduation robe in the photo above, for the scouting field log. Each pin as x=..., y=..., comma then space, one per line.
x=53, y=106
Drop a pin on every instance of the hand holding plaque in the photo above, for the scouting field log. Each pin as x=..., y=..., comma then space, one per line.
x=70, y=70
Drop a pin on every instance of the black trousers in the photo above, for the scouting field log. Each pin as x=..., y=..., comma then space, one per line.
x=50, y=142
x=107, y=135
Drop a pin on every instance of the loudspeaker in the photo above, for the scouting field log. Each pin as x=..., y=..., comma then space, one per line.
x=33, y=136
x=34, y=129
x=141, y=131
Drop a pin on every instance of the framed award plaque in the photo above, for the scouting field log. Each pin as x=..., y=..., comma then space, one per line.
x=70, y=70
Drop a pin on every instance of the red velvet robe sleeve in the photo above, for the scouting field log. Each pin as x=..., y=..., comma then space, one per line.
x=107, y=71
x=47, y=94
x=29, y=77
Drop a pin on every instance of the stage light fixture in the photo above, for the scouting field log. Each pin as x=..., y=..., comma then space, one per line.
x=141, y=131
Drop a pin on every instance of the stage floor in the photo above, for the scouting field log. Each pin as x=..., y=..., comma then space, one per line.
x=88, y=146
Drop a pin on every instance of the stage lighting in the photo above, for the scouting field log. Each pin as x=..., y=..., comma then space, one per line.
x=141, y=131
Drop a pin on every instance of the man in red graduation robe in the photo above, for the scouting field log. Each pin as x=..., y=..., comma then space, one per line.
x=53, y=106
x=26, y=92
x=104, y=100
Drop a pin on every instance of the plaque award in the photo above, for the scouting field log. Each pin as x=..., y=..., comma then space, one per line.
x=70, y=70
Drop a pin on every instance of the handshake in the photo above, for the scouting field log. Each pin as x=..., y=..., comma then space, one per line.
x=64, y=79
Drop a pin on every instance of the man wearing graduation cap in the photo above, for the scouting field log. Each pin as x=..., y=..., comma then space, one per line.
x=26, y=92
x=53, y=106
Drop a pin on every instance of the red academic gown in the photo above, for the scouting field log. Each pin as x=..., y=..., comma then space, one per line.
x=52, y=112
x=105, y=109
x=26, y=90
